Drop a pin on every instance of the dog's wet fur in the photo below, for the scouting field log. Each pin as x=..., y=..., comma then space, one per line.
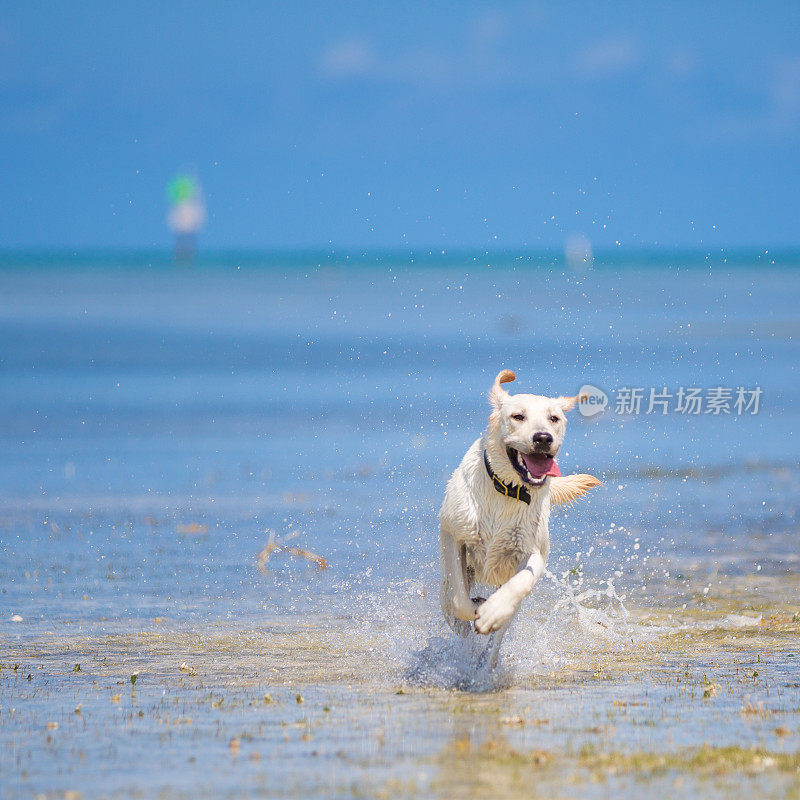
x=487, y=537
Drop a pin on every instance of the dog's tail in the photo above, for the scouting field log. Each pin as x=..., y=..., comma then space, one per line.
x=566, y=489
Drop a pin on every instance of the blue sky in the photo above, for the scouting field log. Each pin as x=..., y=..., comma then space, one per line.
x=378, y=125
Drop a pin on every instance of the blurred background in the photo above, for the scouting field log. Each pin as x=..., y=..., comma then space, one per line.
x=261, y=262
x=334, y=126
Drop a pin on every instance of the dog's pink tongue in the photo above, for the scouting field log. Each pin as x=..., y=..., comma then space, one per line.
x=539, y=466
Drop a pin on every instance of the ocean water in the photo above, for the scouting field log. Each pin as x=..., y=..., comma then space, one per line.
x=158, y=425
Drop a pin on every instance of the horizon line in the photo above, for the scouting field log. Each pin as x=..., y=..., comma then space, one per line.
x=660, y=255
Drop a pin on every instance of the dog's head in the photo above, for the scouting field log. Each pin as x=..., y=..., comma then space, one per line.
x=529, y=429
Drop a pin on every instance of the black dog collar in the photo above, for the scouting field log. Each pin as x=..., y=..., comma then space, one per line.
x=508, y=489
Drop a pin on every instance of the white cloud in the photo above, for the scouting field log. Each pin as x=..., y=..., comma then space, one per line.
x=775, y=117
x=489, y=29
x=785, y=90
x=348, y=58
x=355, y=58
x=609, y=57
x=476, y=54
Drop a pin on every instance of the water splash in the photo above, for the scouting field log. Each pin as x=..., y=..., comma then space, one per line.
x=608, y=619
x=570, y=624
x=455, y=662
x=561, y=626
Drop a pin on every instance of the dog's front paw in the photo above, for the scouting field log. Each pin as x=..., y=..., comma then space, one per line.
x=495, y=612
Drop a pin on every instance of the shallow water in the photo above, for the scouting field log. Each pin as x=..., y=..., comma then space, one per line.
x=157, y=425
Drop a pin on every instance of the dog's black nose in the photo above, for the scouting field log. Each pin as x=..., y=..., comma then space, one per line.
x=542, y=438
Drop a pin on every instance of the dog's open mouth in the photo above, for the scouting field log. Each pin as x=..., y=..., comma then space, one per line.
x=533, y=467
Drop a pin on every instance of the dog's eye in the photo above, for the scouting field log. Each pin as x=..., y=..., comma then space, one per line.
x=518, y=417
x=554, y=418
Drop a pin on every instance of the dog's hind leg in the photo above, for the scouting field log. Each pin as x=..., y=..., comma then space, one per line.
x=497, y=638
x=491, y=651
x=457, y=606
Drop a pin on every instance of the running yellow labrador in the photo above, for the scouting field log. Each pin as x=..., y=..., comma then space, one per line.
x=495, y=515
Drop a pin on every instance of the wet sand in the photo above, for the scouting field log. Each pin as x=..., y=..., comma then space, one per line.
x=703, y=699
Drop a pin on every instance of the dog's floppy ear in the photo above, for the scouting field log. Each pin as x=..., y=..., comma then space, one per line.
x=566, y=489
x=497, y=393
x=568, y=403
